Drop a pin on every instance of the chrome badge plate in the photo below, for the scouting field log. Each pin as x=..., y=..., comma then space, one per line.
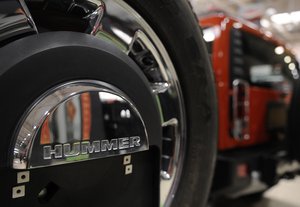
x=82, y=148
x=78, y=121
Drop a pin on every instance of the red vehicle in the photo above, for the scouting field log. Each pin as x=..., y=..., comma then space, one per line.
x=254, y=75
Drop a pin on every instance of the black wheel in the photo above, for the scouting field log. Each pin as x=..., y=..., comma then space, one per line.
x=111, y=104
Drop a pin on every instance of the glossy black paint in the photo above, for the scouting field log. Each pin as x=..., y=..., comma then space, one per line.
x=62, y=15
x=14, y=22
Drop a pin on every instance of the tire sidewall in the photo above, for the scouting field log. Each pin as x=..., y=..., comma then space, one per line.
x=176, y=26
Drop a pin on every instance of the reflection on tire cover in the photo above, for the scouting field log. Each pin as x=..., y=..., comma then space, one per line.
x=89, y=125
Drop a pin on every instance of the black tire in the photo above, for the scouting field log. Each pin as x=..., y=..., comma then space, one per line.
x=175, y=24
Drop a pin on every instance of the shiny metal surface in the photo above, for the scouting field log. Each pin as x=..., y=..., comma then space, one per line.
x=96, y=17
x=240, y=109
x=127, y=29
x=159, y=87
x=28, y=15
x=15, y=19
x=170, y=150
x=78, y=121
x=67, y=150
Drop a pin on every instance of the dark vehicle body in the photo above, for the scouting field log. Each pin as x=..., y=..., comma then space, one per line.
x=254, y=75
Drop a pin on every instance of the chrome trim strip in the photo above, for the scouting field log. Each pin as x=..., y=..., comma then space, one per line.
x=240, y=129
x=96, y=17
x=173, y=147
x=28, y=14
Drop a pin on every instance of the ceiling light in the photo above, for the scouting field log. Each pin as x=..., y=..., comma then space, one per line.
x=281, y=18
x=271, y=11
x=294, y=72
x=295, y=16
x=237, y=25
x=292, y=66
x=287, y=59
x=279, y=50
x=264, y=23
x=286, y=18
x=209, y=37
x=209, y=34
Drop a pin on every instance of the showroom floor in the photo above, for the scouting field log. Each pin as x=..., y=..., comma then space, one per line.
x=285, y=194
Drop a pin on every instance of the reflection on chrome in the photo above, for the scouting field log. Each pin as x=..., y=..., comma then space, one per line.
x=15, y=19
x=240, y=109
x=125, y=28
x=95, y=17
x=78, y=121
